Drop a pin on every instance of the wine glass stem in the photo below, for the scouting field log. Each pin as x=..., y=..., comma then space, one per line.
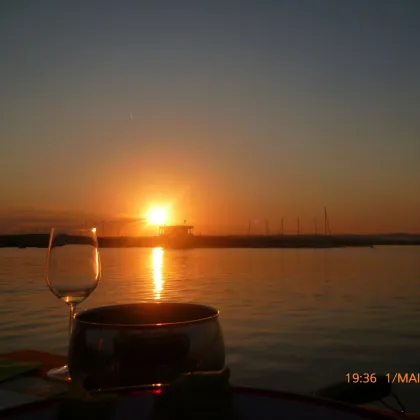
x=72, y=314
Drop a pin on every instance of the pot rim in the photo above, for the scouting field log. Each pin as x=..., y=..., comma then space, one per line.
x=147, y=326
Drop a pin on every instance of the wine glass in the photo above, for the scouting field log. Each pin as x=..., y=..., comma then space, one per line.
x=73, y=273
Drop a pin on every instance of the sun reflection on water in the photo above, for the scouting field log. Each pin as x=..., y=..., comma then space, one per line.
x=157, y=261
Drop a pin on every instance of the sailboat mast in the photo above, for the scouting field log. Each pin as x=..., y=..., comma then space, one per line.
x=326, y=223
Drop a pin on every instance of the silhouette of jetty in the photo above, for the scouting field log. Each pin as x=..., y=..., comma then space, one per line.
x=201, y=241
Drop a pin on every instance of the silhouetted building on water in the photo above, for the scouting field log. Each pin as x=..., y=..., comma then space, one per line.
x=176, y=236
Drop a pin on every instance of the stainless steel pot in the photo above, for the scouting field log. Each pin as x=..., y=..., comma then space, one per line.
x=144, y=343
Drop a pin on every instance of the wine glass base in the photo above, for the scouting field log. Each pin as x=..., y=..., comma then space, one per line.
x=60, y=374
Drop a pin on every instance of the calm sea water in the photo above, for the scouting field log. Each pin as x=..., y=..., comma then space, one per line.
x=292, y=319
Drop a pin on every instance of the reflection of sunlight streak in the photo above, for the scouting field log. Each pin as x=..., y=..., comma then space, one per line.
x=157, y=258
x=97, y=265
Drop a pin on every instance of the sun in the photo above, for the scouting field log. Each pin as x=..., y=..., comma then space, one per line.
x=157, y=216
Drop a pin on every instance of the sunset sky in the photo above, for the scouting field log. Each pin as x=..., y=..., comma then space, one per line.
x=223, y=110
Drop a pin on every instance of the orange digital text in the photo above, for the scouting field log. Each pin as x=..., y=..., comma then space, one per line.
x=403, y=378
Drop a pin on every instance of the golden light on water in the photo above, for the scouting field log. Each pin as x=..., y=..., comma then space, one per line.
x=157, y=216
x=157, y=262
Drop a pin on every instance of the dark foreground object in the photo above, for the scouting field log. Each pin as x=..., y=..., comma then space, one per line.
x=183, y=401
x=363, y=393
x=210, y=396
x=199, y=396
x=357, y=393
x=144, y=344
x=139, y=404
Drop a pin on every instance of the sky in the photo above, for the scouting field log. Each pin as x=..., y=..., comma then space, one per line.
x=224, y=111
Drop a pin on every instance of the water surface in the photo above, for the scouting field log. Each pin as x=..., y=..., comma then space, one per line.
x=294, y=319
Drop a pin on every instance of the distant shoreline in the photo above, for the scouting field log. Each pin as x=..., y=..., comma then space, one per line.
x=270, y=241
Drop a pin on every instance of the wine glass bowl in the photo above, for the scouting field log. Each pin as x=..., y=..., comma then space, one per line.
x=73, y=272
x=139, y=344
